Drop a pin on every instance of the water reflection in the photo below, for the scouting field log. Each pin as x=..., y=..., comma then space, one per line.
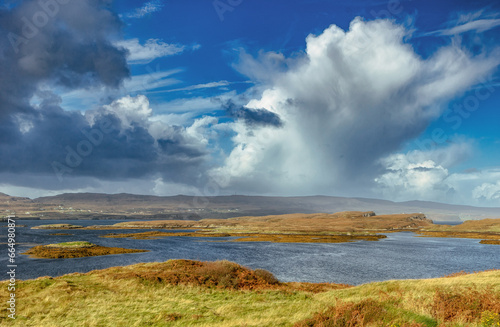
x=400, y=256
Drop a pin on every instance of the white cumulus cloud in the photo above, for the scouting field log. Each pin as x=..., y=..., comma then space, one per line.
x=487, y=191
x=423, y=175
x=352, y=98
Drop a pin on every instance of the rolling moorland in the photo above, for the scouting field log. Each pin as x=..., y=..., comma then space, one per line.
x=129, y=206
x=339, y=227
x=193, y=293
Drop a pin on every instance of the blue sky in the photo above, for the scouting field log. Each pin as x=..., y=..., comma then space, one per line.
x=386, y=99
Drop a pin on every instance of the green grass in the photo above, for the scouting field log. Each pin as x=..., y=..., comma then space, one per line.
x=74, y=244
x=117, y=297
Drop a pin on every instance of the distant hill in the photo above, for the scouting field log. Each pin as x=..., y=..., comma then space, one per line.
x=10, y=204
x=181, y=206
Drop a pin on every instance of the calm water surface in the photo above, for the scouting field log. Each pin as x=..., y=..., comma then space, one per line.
x=400, y=256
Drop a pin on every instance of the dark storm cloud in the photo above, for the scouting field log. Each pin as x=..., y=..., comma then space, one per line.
x=253, y=117
x=63, y=143
x=62, y=43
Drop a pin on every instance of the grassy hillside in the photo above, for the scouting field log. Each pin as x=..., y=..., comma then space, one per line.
x=190, y=293
x=486, y=229
x=348, y=221
x=483, y=225
x=119, y=206
x=339, y=227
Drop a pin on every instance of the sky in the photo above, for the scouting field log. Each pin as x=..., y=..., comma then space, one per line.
x=397, y=99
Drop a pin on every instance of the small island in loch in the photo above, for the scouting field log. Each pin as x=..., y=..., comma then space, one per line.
x=76, y=249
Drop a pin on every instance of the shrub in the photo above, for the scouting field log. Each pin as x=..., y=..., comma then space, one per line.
x=218, y=274
x=173, y=316
x=266, y=276
x=347, y=315
x=466, y=304
x=368, y=312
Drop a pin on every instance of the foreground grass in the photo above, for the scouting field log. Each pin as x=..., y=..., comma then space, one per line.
x=188, y=293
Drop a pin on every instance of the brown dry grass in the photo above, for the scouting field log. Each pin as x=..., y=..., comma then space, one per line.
x=464, y=305
x=349, y=221
x=301, y=238
x=54, y=252
x=219, y=274
x=255, y=237
x=454, y=234
x=157, y=234
x=57, y=226
x=491, y=225
x=464, y=273
x=338, y=222
x=460, y=306
x=483, y=225
x=224, y=294
x=490, y=242
x=347, y=314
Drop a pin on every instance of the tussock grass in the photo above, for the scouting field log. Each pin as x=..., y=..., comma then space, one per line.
x=132, y=296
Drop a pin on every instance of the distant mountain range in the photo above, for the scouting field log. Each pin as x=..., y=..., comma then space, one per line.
x=96, y=206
